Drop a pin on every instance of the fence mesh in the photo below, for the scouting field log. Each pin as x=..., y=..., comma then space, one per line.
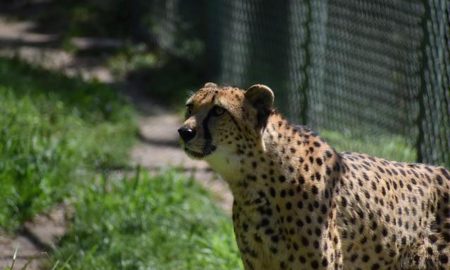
x=375, y=68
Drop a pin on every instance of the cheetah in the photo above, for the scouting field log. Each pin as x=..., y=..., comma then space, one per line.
x=299, y=204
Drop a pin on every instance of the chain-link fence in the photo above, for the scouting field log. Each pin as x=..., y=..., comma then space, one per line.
x=375, y=68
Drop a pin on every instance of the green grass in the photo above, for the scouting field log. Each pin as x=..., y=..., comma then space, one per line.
x=160, y=222
x=388, y=147
x=54, y=133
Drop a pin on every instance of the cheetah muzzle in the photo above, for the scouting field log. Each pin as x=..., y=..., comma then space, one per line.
x=298, y=204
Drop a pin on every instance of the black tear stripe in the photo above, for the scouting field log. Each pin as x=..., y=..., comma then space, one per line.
x=208, y=136
x=208, y=147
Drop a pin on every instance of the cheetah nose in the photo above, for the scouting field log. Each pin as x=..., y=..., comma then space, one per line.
x=186, y=133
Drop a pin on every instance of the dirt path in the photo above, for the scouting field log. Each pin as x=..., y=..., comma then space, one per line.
x=156, y=150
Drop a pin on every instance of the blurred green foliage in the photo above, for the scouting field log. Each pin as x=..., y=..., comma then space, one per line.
x=165, y=78
x=104, y=18
x=54, y=133
x=158, y=44
x=169, y=81
x=161, y=222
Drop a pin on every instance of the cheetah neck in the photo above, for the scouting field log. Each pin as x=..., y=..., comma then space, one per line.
x=294, y=159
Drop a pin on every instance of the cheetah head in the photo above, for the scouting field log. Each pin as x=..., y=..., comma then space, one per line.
x=221, y=123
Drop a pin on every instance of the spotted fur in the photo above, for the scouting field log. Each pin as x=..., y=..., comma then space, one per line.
x=298, y=204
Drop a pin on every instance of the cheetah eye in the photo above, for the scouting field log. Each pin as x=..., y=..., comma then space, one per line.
x=188, y=110
x=217, y=111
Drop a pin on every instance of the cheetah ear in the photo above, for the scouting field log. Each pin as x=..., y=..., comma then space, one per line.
x=261, y=97
x=210, y=84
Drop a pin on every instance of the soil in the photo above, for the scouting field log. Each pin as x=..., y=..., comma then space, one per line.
x=156, y=150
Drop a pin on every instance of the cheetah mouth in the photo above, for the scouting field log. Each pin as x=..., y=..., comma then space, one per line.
x=206, y=151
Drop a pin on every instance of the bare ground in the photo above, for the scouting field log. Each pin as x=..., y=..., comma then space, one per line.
x=157, y=147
